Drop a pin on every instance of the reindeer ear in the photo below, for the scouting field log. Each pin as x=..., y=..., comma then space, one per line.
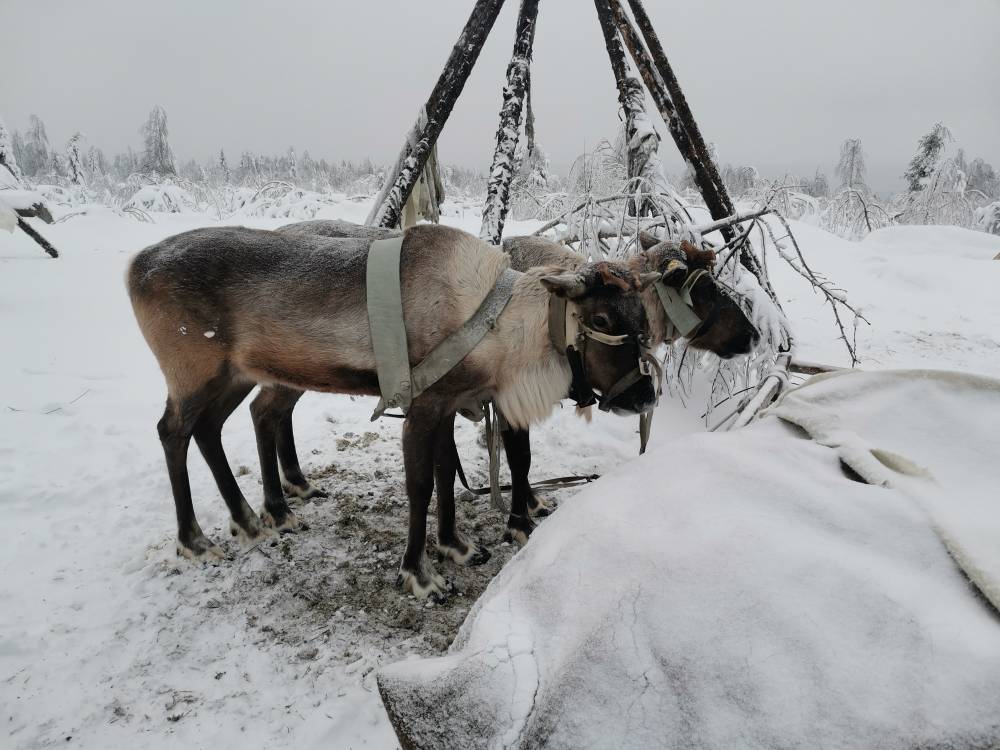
x=569, y=285
x=698, y=258
x=647, y=240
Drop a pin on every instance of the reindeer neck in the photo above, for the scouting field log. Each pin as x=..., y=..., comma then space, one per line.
x=533, y=376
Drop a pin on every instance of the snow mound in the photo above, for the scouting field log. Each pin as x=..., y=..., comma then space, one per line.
x=947, y=241
x=725, y=590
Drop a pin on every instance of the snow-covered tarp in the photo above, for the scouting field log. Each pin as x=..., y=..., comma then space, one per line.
x=745, y=590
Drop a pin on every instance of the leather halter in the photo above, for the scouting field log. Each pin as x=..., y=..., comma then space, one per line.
x=569, y=336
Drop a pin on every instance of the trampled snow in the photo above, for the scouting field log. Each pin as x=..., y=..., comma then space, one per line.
x=107, y=639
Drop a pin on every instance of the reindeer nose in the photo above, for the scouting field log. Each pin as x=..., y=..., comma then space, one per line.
x=636, y=399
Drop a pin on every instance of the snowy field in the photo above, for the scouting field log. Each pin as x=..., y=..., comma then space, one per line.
x=107, y=640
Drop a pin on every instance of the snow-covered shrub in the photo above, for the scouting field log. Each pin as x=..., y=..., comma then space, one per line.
x=163, y=197
x=281, y=200
x=988, y=218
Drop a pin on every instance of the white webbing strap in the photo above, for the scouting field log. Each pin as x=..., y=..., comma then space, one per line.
x=385, y=322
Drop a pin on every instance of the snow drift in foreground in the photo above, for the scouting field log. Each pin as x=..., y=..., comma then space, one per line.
x=740, y=590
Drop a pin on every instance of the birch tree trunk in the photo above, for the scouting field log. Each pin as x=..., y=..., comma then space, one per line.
x=502, y=170
x=424, y=134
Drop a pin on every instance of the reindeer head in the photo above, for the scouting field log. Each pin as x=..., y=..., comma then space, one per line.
x=723, y=328
x=605, y=333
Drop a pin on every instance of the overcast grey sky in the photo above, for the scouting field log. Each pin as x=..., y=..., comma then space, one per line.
x=773, y=83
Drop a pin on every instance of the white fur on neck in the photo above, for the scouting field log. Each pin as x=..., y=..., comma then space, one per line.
x=531, y=395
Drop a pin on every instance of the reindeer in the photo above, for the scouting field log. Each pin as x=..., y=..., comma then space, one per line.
x=226, y=309
x=724, y=330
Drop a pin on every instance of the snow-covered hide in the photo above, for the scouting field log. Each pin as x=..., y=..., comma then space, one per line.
x=728, y=590
x=940, y=446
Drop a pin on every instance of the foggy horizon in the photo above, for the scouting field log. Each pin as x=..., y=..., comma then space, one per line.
x=263, y=83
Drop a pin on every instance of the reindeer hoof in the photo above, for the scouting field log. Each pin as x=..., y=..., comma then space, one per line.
x=303, y=492
x=250, y=532
x=464, y=553
x=540, y=508
x=518, y=530
x=424, y=583
x=201, y=549
x=289, y=523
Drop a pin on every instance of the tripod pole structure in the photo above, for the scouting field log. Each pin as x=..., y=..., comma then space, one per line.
x=424, y=133
x=502, y=170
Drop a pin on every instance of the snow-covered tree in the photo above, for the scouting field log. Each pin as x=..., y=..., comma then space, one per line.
x=818, y=186
x=97, y=163
x=851, y=168
x=8, y=157
x=227, y=176
x=74, y=159
x=157, y=155
x=982, y=177
x=36, y=157
x=930, y=148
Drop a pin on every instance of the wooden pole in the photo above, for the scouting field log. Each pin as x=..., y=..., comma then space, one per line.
x=684, y=114
x=424, y=134
x=631, y=97
x=658, y=90
x=502, y=170
x=30, y=231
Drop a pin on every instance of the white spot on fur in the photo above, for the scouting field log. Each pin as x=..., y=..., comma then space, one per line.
x=209, y=334
x=183, y=330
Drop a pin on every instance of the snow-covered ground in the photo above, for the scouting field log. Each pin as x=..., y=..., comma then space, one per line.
x=106, y=640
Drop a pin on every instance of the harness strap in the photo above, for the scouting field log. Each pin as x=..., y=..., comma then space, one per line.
x=572, y=480
x=677, y=303
x=385, y=322
x=645, y=424
x=399, y=385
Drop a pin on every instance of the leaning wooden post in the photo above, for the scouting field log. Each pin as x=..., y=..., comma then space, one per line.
x=684, y=114
x=632, y=99
x=30, y=231
x=658, y=90
x=502, y=171
x=424, y=134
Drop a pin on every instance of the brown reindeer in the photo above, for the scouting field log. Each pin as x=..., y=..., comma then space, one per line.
x=225, y=309
x=725, y=330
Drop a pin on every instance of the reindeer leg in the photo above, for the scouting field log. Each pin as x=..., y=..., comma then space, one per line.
x=175, y=428
x=295, y=483
x=517, y=446
x=208, y=435
x=451, y=542
x=416, y=574
x=276, y=514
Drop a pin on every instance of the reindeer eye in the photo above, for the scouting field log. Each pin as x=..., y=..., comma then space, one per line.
x=601, y=322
